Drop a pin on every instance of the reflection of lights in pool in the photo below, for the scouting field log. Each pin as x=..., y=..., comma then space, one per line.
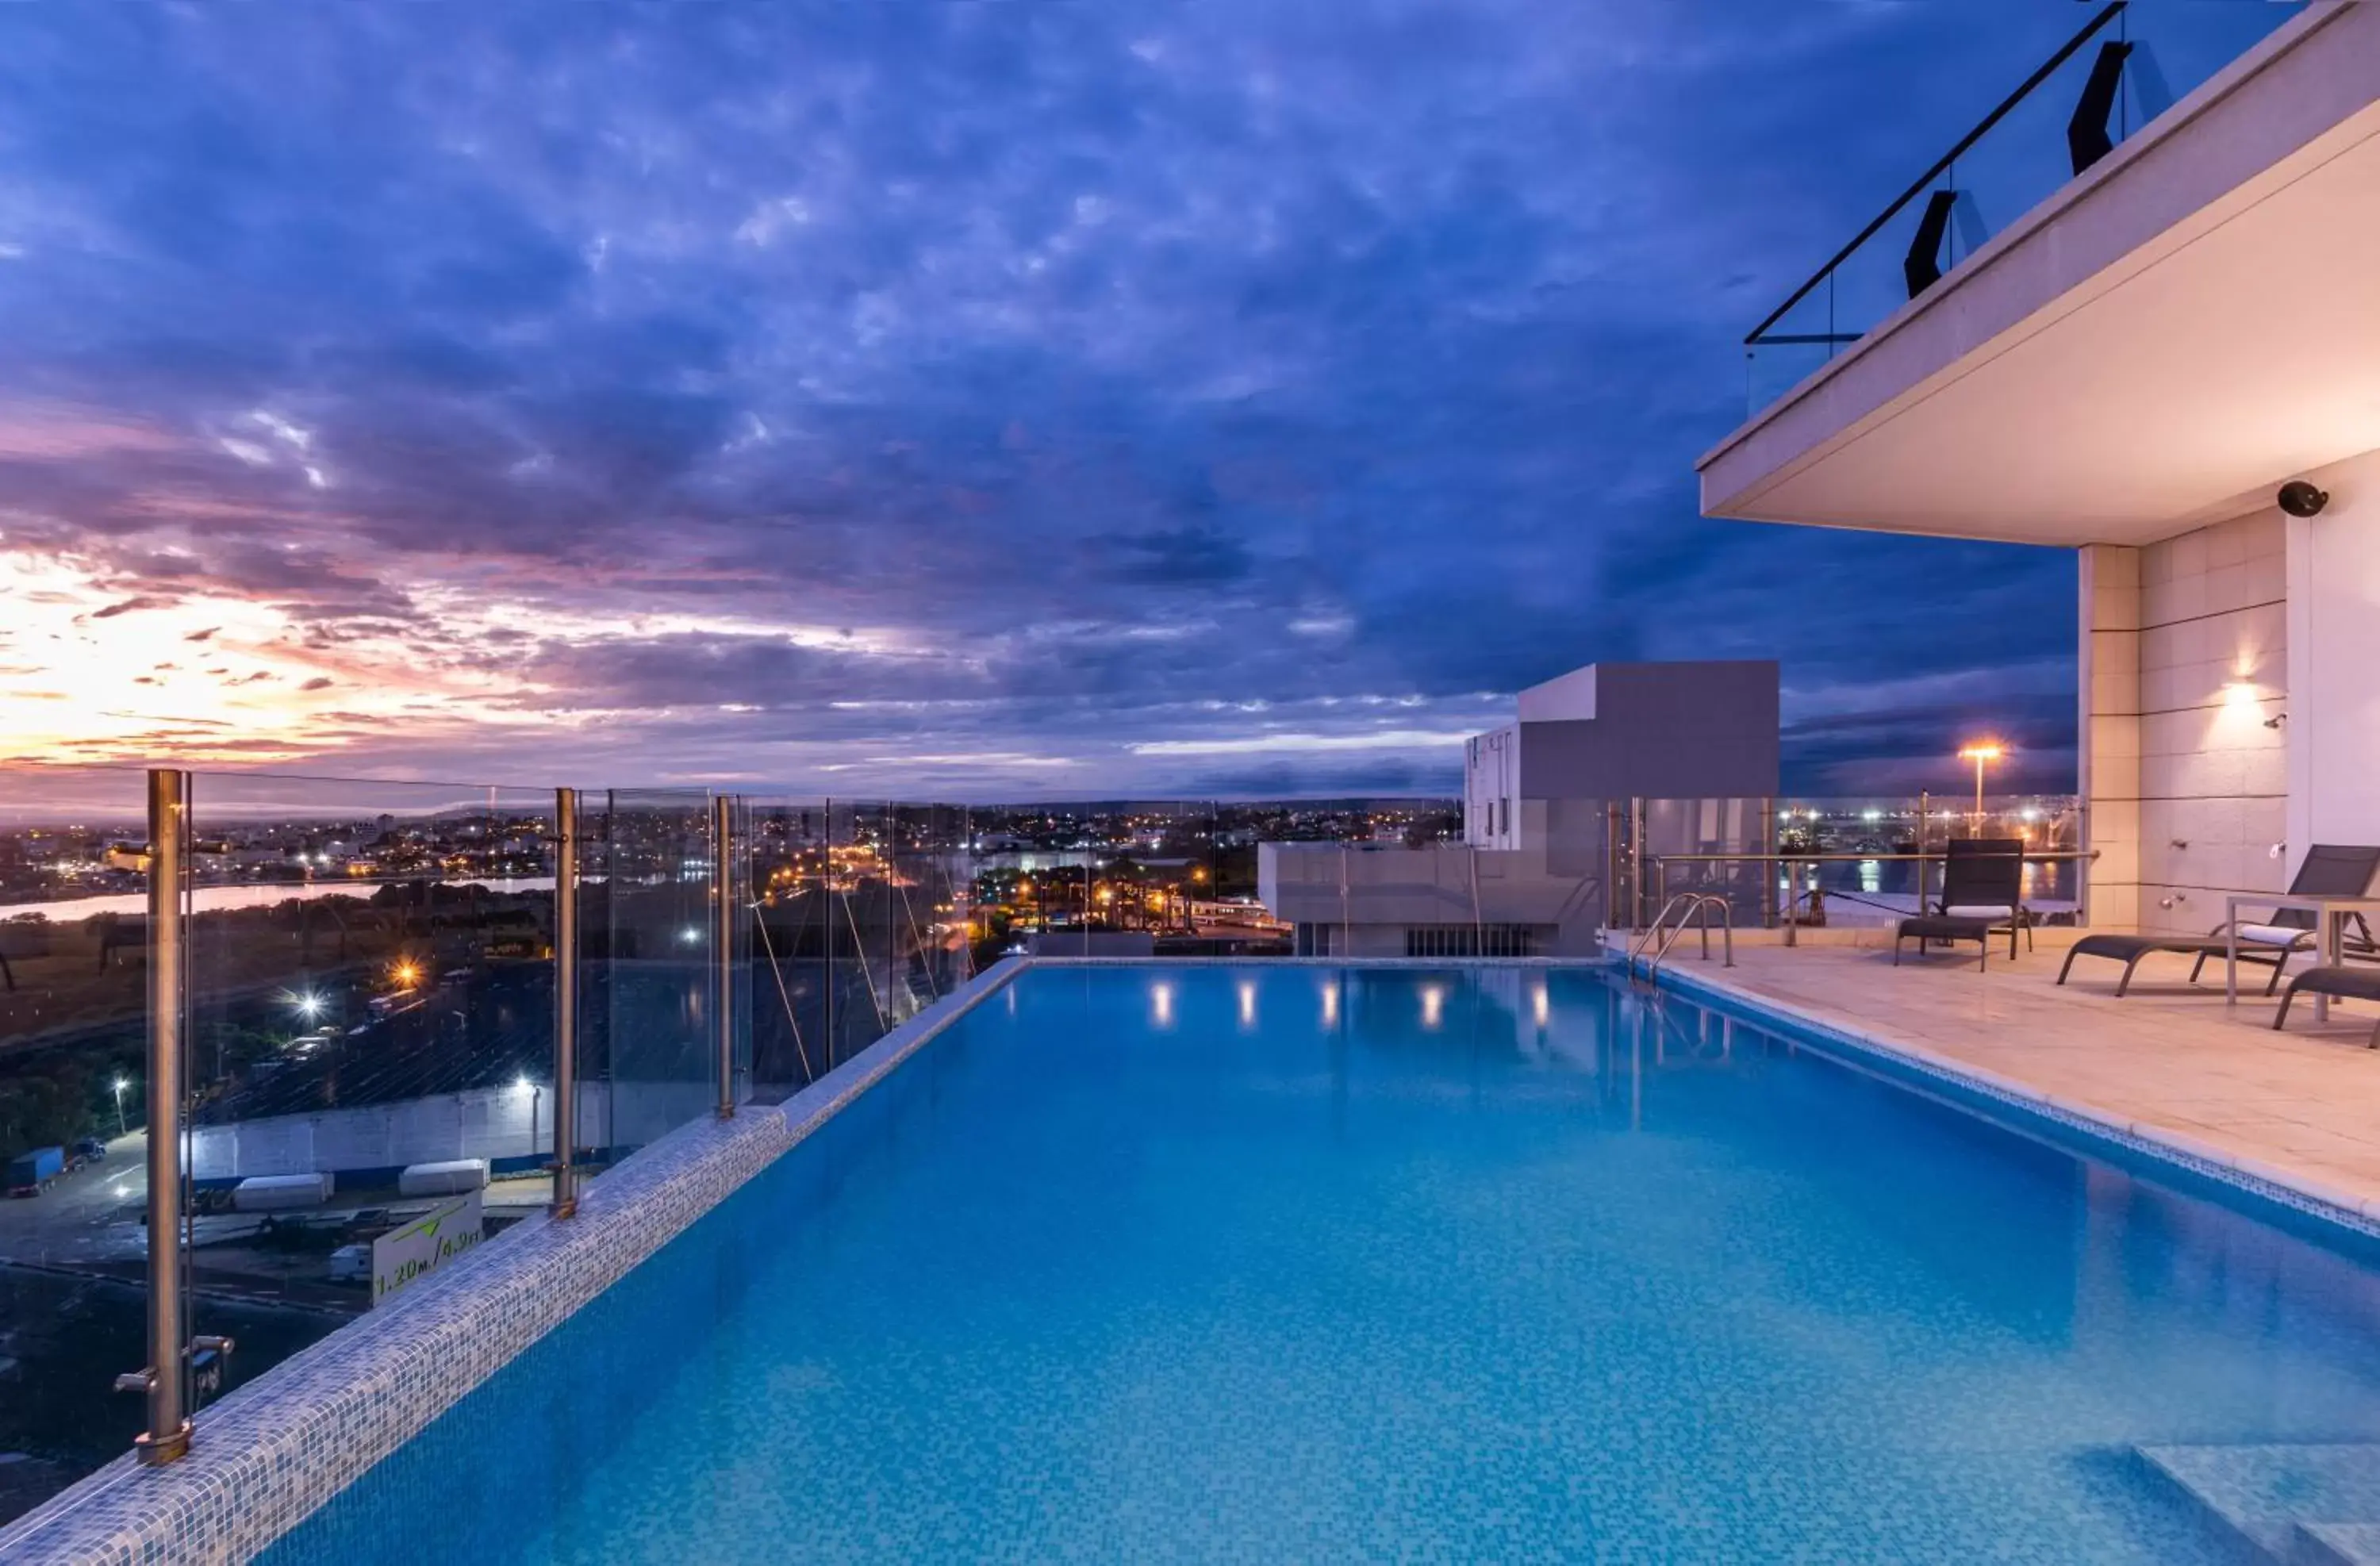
x=1433, y=1002
x=1331, y=1005
x=1160, y=997
x=1247, y=1004
x=1543, y=1005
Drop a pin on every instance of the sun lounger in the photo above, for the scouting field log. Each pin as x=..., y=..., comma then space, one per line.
x=2330, y=870
x=2340, y=983
x=1982, y=891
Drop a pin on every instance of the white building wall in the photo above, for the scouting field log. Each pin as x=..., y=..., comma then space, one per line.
x=1491, y=789
x=2190, y=691
x=2334, y=679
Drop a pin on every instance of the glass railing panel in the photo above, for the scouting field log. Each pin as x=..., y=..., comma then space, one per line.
x=931, y=871
x=1867, y=864
x=858, y=914
x=789, y=871
x=370, y=980
x=647, y=1045
x=73, y=1104
x=744, y=976
x=1711, y=846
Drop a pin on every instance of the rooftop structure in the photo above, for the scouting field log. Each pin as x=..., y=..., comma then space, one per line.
x=2139, y=368
x=1534, y=871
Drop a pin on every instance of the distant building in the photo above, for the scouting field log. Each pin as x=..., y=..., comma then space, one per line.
x=1534, y=875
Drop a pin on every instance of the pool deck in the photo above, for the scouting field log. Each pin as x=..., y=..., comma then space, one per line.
x=2172, y=1062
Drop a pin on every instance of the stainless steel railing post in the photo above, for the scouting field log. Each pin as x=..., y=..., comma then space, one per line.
x=1636, y=856
x=165, y=1380
x=1924, y=809
x=565, y=1001
x=723, y=948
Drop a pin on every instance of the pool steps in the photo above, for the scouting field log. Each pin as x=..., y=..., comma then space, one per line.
x=2298, y=1504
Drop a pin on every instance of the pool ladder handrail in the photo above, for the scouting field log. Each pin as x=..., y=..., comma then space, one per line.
x=1661, y=936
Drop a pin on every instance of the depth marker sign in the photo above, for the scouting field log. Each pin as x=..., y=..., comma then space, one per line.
x=402, y=1256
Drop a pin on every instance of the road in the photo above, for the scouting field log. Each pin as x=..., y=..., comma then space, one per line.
x=91, y=1218
x=91, y=1215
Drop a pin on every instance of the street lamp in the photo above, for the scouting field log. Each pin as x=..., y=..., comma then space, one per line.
x=120, y=1086
x=536, y=1092
x=1981, y=752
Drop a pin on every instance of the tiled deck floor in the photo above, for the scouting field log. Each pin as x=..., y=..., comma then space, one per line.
x=2302, y=1107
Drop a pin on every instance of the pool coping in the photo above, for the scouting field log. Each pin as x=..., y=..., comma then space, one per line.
x=2268, y=1190
x=272, y=1451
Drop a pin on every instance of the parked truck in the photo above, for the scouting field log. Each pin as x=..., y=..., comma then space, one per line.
x=29, y=1174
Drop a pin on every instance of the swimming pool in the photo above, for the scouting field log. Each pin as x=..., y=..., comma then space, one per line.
x=1291, y=1263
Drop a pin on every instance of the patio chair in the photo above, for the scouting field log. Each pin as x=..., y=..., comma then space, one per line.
x=2330, y=870
x=2340, y=983
x=1982, y=890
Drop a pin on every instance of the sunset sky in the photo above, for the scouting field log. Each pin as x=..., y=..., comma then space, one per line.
x=955, y=400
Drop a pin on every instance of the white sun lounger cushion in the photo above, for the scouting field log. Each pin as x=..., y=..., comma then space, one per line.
x=2276, y=935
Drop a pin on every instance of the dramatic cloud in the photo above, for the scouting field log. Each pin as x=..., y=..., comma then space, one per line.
x=950, y=399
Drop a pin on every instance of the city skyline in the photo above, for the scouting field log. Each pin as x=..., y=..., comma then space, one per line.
x=949, y=401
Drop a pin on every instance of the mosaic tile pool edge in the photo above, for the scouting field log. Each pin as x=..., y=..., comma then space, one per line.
x=272, y=1452
x=2267, y=1191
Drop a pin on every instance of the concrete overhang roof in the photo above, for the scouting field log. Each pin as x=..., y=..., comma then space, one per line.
x=2176, y=333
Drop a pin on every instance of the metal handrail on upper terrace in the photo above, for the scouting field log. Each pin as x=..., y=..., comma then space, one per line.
x=2100, y=89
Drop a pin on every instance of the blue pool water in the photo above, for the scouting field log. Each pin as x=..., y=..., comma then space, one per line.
x=1287, y=1263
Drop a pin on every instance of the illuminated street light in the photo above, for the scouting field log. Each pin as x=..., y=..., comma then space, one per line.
x=535, y=1090
x=1981, y=752
x=309, y=1005
x=120, y=1086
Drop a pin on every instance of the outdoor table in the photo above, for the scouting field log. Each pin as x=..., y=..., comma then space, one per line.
x=2330, y=916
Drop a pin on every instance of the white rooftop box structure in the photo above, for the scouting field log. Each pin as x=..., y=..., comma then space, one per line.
x=450, y=1177
x=279, y=1192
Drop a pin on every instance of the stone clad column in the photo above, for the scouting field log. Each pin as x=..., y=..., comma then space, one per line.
x=2108, y=748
